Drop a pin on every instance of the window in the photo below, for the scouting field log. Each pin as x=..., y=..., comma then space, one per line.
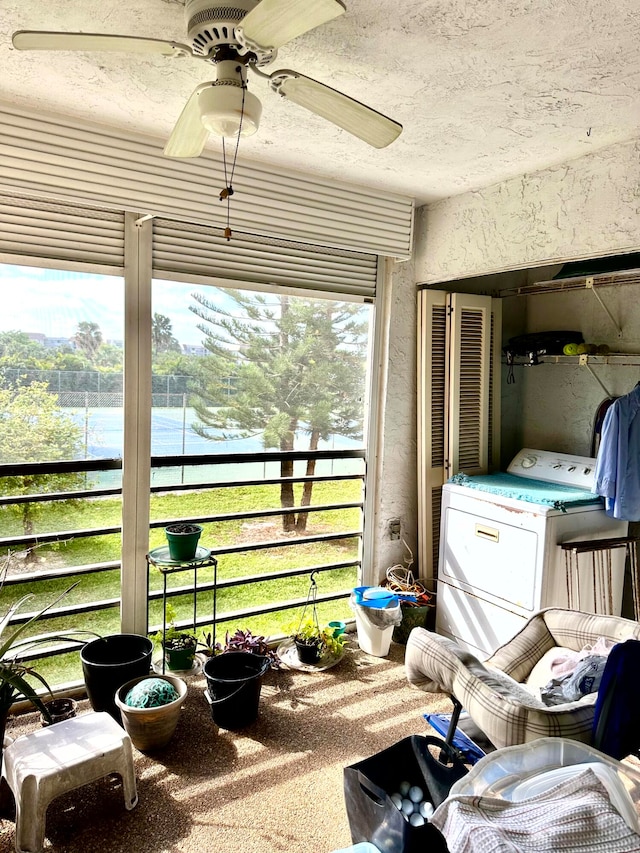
x=61, y=354
x=241, y=380
x=257, y=411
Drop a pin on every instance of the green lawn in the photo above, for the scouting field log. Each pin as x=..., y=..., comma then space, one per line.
x=105, y=512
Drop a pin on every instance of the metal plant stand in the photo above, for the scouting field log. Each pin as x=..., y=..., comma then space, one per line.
x=159, y=559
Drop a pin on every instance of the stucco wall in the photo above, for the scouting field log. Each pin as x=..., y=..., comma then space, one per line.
x=395, y=464
x=582, y=209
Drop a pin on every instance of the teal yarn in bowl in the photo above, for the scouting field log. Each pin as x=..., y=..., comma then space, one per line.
x=151, y=693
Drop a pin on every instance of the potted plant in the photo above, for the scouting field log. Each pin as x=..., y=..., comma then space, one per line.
x=61, y=708
x=311, y=640
x=182, y=539
x=179, y=649
x=15, y=673
x=244, y=641
x=206, y=646
x=178, y=644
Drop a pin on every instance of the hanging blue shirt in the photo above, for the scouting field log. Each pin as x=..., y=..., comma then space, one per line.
x=617, y=474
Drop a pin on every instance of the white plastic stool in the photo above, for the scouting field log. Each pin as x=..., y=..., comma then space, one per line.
x=49, y=762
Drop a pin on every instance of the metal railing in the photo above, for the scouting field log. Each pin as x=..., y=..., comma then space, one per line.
x=173, y=470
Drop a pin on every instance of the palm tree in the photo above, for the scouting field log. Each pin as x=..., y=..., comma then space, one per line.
x=162, y=337
x=88, y=338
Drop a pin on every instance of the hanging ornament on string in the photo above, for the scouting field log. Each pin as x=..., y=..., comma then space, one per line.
x=227, y=191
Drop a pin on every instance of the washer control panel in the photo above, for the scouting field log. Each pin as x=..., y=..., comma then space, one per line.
x=561, y=468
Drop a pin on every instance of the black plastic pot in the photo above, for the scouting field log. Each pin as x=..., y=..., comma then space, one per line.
x=60, y=709
x=109, y=662
x=180, y=659
x=308, y=652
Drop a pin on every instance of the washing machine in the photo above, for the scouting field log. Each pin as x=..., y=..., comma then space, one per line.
x=501, y=557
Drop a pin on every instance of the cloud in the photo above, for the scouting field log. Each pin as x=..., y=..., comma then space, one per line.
x=53, y=302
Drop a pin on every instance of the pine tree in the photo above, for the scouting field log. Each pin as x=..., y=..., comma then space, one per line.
x=293, y=365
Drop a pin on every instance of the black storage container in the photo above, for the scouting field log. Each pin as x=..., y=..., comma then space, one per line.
x=368, y=786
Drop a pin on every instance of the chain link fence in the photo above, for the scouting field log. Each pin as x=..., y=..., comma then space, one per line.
x=94, y=400
x=90, y=389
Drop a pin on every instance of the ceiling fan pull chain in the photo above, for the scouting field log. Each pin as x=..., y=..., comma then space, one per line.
x=227, y=192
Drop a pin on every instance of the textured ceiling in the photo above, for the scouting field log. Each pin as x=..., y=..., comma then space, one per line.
x=485, y=90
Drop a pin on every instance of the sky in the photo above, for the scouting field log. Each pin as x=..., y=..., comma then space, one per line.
x=53, y=302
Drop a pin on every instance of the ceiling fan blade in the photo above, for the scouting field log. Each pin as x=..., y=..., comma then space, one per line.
x=273, y=23
x=39, y=40
x=189, y=134
x=362, y=121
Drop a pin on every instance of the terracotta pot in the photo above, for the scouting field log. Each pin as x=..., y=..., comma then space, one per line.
x=151, y=728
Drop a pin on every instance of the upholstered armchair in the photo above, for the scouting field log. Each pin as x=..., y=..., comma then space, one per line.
x=501, y=695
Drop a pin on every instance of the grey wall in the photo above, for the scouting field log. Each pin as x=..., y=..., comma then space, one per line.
x=559, y=401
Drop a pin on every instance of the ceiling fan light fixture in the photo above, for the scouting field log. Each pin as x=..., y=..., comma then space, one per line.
x=223, y=110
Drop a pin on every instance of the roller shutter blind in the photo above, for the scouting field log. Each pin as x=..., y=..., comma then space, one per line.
x=195, y=252
x=58, y=157
x=76, y=237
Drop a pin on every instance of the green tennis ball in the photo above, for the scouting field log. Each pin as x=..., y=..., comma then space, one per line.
x=581, y=349
x=570, y=349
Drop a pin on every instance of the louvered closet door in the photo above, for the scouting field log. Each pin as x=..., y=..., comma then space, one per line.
x=459, y=338
x=495, y=390
x=432, y=406
x=469, y=364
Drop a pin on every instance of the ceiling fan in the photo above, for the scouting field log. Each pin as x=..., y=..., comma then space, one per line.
x=236, y=35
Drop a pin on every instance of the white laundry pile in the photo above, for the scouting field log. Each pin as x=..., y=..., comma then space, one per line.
x=576, y=674
x=576, y=815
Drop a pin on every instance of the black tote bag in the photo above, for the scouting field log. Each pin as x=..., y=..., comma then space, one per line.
x=369, y=783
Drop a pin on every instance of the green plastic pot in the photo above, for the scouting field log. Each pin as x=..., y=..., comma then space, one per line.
x=179, y=660
x=182, y=539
